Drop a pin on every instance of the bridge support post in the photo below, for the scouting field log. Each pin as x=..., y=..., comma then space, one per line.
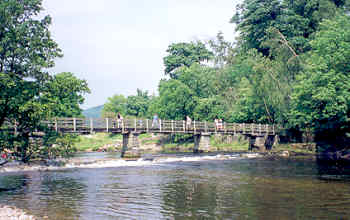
x=131, y=145
x=201, y=142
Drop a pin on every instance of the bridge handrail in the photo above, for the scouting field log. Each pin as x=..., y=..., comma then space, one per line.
x=85, y=125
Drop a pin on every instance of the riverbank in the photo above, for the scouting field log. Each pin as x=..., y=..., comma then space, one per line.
x=13, y=213
x=102, y=142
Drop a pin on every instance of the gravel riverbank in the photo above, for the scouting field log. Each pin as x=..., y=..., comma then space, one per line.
x=13, y=213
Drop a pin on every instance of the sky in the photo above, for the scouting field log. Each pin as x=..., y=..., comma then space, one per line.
x=118, y=46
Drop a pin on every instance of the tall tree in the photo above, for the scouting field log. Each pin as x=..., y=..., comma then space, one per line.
x=297, y=20
x=321, y=98
x=253, y=18
x=223, y=50
x=184, y=54
x=176, y=100
x=138, y=105
x=28, y=93
x=26, y=50
x=64, y=93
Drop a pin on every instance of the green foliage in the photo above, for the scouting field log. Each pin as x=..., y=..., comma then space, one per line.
x=297, y=20
x=138, y=105
x=252, y=18
x=208, y=109
x=26, y=48
x=184, y=54
x=223, y=51
x=115, y=104
x=200, y=79
x=221, y=144
x=28, y=93
x=321, y=99
x=64, y=94
x=288, y=67
x=176, y=100
x=134, y=105
x=56, y=145
x=96, y=141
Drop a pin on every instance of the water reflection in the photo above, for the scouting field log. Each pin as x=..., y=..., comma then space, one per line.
x=61, y=192
x=56, y=194
x=333, y=169
x=206, y=192
x=12, y=182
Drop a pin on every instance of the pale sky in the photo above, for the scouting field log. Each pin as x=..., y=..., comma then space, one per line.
x=119, y=45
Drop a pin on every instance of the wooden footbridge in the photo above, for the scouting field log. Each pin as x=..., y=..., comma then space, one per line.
x=93, y=125
x=260, y=135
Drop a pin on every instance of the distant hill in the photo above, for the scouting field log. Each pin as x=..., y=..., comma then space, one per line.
x=94, y=112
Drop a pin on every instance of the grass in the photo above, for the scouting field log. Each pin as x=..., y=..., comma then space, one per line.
x=174, y=147
x=145, y=135
x=218, y=143
x=149, y=141
x=96, y=141
x=234, y=146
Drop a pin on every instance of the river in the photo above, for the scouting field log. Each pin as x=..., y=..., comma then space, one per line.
x=182, y=186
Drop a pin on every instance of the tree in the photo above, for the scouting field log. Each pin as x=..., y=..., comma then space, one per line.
x=199, y=78
x=26, y=49
x=252, y=18
x=207, y=109
x=321, y=98
x=115, y=104
x=176, y=100
x=28, y=93
x=138, y=105
x=184, y=54
x=223, y=51
x=297, y=20
x=64, y=93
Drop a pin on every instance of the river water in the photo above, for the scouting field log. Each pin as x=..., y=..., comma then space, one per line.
x=182, y=187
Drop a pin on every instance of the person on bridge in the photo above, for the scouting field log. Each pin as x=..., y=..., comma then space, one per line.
x=220, y=124
x=155, y=121
x=119, y=119
x=188, y=122
x=216, y=122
